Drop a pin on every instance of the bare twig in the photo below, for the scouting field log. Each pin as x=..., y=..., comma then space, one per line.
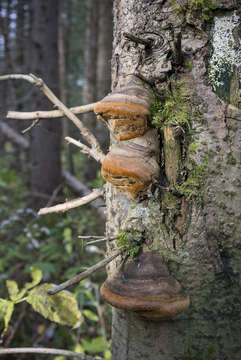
x=54, y=195
x=35, y=122
x=97, y=237
x=82, y=189
x=69, y=179
x=95, y=241
x=91, y=236
x=39, y=114
x=44, y=351
x=72, y=203
x=76, y=279
x=84, y=149
x=50, y=95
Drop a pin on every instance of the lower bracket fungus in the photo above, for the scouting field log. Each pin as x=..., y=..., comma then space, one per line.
x=133, y=165
x=144, y=285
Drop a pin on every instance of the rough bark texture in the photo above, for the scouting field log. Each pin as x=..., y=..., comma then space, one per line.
x=196, y=225
x=45, y=168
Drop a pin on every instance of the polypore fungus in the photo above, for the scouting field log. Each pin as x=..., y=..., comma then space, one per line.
x=133, y=165
x=126, y=111
x=144, y=285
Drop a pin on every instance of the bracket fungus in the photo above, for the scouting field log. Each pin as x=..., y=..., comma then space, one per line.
x=144, y=285
x=126, y=111
x=133, y=165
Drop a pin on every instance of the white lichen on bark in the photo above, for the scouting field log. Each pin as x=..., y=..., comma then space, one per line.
x=226, y=48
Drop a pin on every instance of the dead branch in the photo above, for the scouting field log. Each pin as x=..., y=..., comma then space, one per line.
x=39, y=114
x=76, y=279
x=72, y=203
x=90, y=138
x=84, y=149
x=34, y=123
x=70, y=180
x=95, y=241
x=98, y=239
x=44, y=351
x=80, y=188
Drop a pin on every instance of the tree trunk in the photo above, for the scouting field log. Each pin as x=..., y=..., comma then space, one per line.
x=45, y=167
x=64, y=25
x=192, y=217
x=104, y=62
x=90, y=75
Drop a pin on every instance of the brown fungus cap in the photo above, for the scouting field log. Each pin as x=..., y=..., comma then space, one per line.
x=133, y=165
x=126, y=111
x=145, y=286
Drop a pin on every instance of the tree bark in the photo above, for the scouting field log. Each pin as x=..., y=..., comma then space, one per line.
x=192, y=218
x=45, y=167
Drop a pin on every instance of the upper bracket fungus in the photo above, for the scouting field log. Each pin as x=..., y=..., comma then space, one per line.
x=126, y=111
x=144, y=285
x=133, y=165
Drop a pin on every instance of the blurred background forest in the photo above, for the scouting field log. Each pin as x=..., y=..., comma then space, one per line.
x=68, y=43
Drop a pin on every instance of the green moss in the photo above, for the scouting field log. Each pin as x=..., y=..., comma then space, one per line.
x=170, y=201
x=192, y=186
x=129, y=241
x=174, y=110
x=193, y=147
x=205, y=7
x=188, y=64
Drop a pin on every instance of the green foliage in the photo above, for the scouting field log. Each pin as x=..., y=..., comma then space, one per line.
x=204, y=7
x=45, y=247
x=61, y=308
x=7, y=306
x=129, y=241
x=6, y=311
x=174, y=110
x=93, y=346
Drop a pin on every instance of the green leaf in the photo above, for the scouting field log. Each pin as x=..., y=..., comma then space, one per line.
x=79, y=349
x=36, y=275
x=107, y=355
x=61, y=308
x=90, y=315
x=94, y=346
x=6, y=310
x=13, y=290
